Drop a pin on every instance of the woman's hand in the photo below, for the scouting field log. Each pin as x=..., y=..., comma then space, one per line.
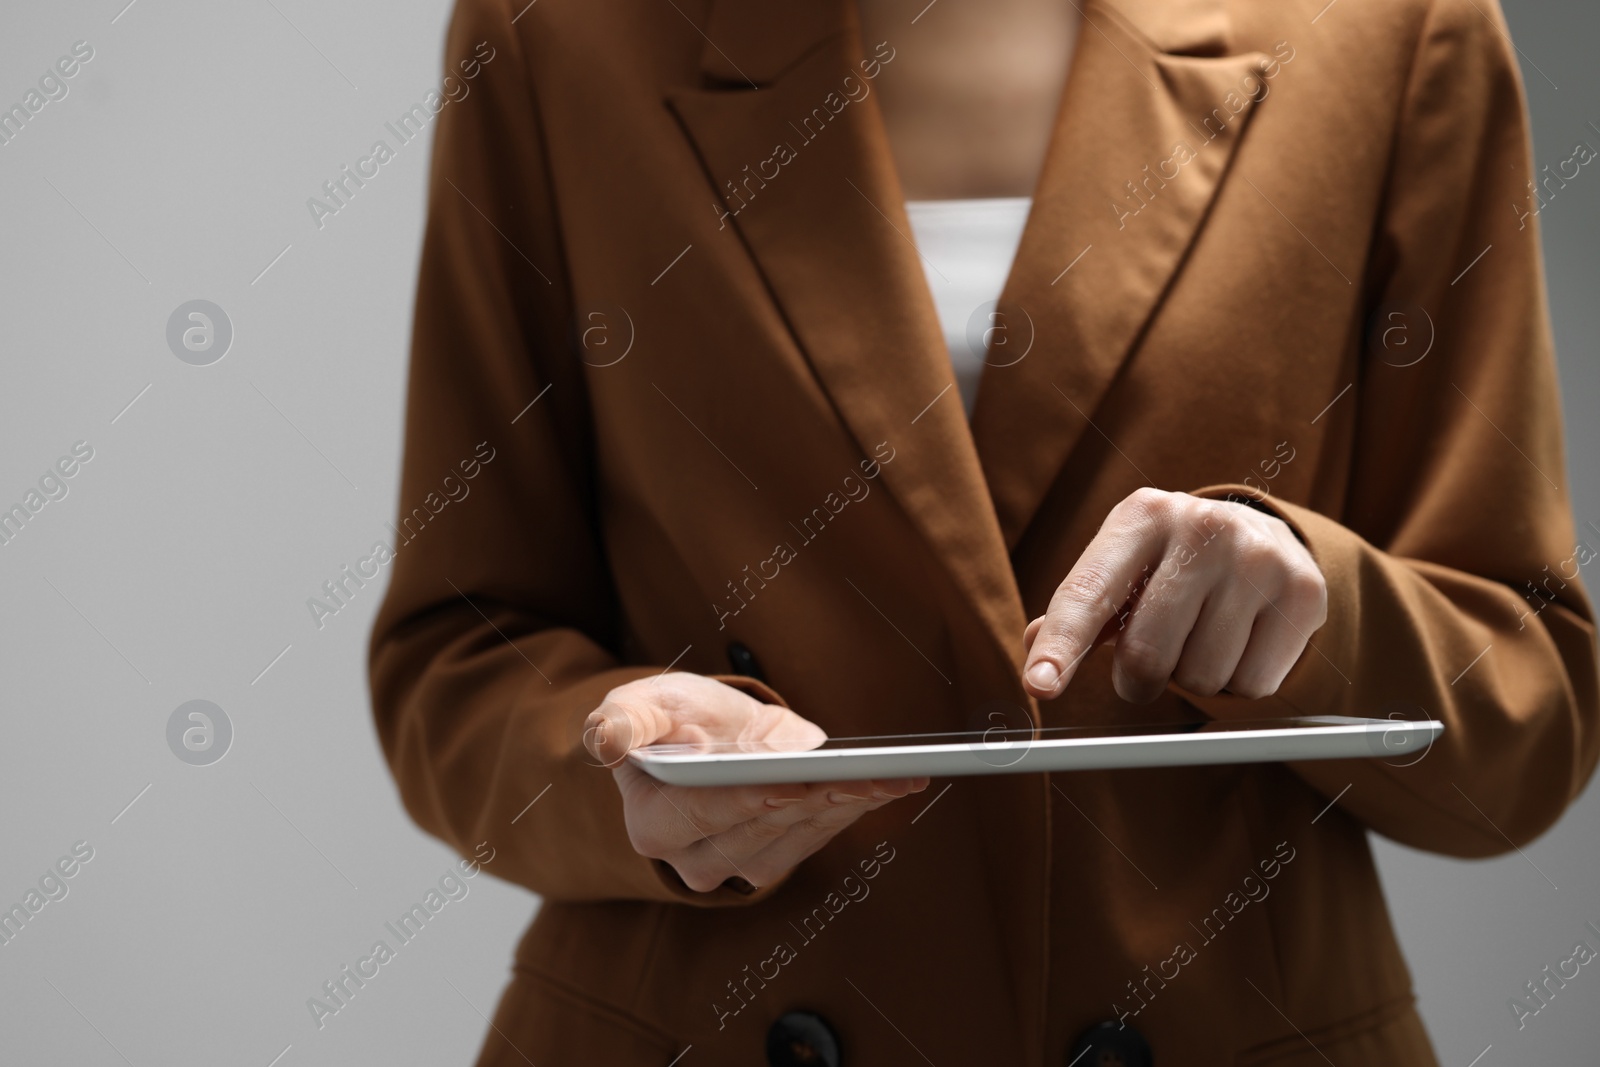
x=713, y=833
x=1209, y=594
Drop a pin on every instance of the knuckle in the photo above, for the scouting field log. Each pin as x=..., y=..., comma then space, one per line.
x=1142, y=659
x=1306, y=593
x=1254, y=550
x=699, y=878
x=617, y=694
x=1186, y=508
x=648, y=845
x=765, y=831
x=1148, y=502
x=1085, y=586
x=1219, y=518
x=818, y=825
x=627, y=695
x=1202, y=681
x=671, y=693
x=1252, y=687
x=824, y=824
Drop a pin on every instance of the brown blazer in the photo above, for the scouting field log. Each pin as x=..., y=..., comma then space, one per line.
x=667, y=290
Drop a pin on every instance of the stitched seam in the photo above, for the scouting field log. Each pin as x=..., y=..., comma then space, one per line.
x=603, y=1009
x=1368, y=1021
x=1401, y=121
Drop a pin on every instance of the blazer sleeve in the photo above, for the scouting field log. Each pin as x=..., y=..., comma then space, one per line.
x=1453, y=575
x=498, y=633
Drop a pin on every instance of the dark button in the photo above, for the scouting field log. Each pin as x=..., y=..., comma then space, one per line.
x=801, y=1039
x=1110, y=1044
x=744, y=662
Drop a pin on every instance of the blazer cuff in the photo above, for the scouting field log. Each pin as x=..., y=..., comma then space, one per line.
x=1239, y=493
x=751, y=687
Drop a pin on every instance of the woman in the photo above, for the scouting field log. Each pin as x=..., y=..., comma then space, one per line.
x=1266, y=425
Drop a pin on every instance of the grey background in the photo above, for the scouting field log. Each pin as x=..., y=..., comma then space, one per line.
x=178, y=565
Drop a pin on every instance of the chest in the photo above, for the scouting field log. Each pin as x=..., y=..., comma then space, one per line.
x=970, y=102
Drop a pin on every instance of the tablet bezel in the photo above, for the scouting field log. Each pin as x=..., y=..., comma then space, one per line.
x=1314, y=737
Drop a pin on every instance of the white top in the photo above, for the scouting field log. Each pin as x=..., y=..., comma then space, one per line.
x=967, y=247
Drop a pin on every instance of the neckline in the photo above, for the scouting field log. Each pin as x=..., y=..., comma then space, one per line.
x=978, y=203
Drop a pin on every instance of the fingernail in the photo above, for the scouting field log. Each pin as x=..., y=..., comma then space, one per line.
x=843, y=798
x=1044, y=676
x=782, y=802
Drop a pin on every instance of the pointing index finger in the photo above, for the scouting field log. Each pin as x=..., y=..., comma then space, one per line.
x=1087, y=602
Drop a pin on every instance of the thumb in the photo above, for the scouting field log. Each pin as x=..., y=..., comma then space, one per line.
x=617, y=727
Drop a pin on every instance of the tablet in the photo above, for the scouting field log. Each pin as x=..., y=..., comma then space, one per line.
x=1026, y=751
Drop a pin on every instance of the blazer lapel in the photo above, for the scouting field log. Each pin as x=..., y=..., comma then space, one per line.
x=804, y=168
x=800, y=159
x=1152, y=113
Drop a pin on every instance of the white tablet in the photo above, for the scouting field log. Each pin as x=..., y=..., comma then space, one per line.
x=1070, y=748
